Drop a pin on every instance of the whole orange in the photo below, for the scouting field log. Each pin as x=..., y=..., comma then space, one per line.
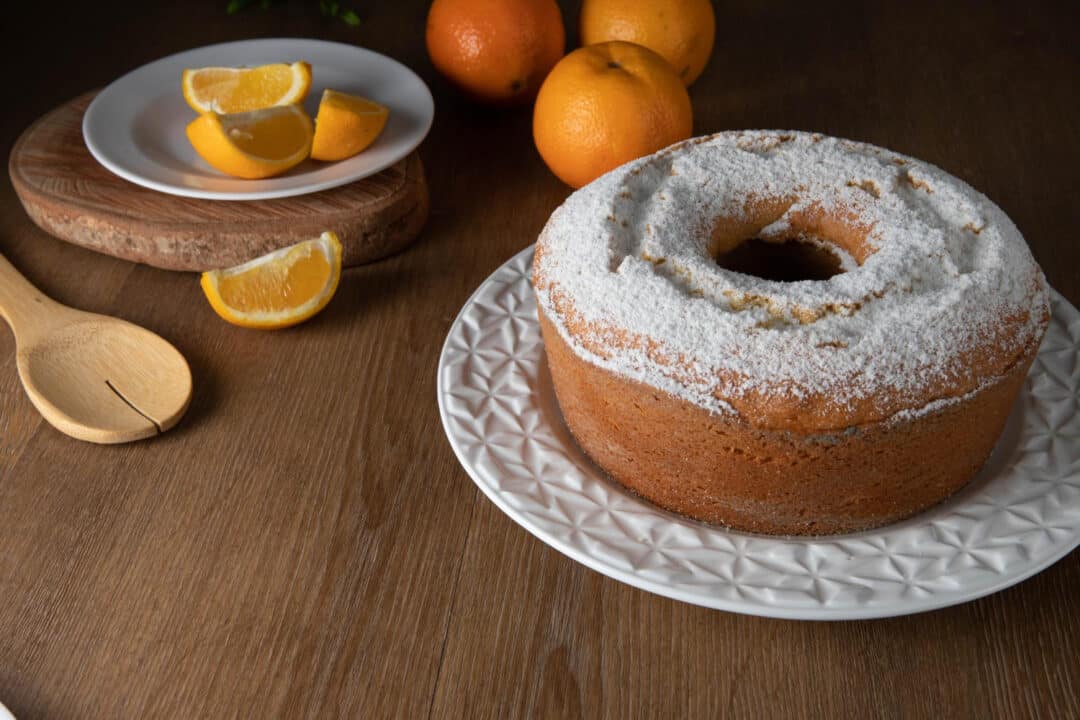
x=497, y=51
x=605, y=105
x=681, y=30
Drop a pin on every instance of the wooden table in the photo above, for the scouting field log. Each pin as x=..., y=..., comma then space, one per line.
x=304, y=544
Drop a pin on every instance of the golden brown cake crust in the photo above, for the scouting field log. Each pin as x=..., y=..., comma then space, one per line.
x=723, y=470
x=815, y=405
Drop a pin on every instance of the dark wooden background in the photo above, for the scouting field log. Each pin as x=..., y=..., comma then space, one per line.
x=305, y=545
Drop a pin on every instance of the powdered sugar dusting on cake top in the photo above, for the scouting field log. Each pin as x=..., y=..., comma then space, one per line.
x=631, y=256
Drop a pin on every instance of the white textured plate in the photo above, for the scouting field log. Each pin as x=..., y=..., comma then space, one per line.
x=1018, y=516
x=135, y=126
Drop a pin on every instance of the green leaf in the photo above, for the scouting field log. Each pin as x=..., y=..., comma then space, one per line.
x=329, y=8
x=236, y=6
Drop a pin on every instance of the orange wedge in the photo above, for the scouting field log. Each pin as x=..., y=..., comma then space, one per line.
x=279, y=289
x=232, y=90
x=346, y=125
x=256, y=144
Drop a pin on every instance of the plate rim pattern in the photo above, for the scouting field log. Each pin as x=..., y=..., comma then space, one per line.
x=990, y=536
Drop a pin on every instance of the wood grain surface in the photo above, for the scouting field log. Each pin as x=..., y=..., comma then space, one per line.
x=68, y=194
x=304, y=544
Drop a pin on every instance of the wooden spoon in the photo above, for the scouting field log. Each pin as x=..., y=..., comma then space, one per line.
x=94, y=377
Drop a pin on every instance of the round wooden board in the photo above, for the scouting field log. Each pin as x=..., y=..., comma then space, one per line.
x=70, y=195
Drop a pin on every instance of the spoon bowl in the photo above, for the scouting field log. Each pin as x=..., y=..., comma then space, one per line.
x=93, y=377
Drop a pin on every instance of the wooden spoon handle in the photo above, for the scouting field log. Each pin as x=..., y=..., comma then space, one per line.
x=25, y=308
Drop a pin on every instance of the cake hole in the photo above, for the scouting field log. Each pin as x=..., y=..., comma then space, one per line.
x=789, y=260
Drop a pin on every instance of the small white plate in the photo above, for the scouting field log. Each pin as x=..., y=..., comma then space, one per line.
x=1020, y=514
x=135, y=126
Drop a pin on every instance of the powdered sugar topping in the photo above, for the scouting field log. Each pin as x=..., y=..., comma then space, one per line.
x=932, y=267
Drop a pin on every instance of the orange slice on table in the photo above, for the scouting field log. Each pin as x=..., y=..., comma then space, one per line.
x=231, y=90
x=279, y=289
x=346, y=124
x=256, y=144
